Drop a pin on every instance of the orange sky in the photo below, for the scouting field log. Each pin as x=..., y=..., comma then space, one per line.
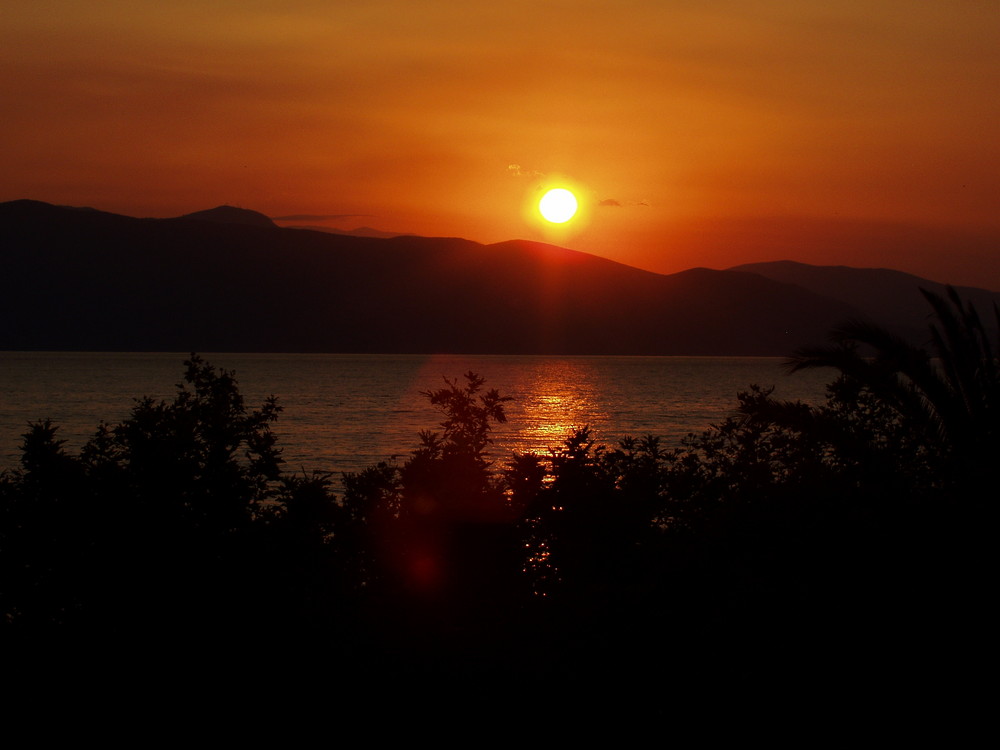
x=863, y=132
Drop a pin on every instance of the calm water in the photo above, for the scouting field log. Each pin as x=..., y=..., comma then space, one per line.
x=344, y=412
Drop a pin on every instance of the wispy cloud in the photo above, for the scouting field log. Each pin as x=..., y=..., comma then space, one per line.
x=613, y=203
x=516, y=170
x=318, y=217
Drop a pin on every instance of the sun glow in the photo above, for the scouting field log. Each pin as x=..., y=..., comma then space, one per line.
x=558, y=205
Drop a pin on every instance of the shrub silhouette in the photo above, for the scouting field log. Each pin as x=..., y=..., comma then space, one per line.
x=441, y=542
x=785, y=529
x=178, y=514
x=42, y=513
x=204, y=460
x=939, y=409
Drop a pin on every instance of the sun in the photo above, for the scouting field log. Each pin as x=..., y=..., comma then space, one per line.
x=558, y=205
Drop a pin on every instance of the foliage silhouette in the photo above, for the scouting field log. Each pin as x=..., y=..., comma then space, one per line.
x=928, y=418
x=786, y=529
x=179, y=513
x=41, y=515
x=450, y=473
x=588, y=511
x=205, y=457
x=441, y=543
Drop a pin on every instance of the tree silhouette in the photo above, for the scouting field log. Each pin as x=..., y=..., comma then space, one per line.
x=784, y=526
x=439, y=527
x=205, y=455
x=179, y=513
x=938, y=407
x=43, y=542
x=450, y=473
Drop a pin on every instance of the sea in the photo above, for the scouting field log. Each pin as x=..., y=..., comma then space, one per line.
x=344, y=412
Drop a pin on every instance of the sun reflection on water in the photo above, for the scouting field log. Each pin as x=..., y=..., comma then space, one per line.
x=553, y=400
x=345, y=412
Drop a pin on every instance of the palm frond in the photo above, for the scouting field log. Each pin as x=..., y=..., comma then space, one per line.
x=896, y=372
x=969, y=362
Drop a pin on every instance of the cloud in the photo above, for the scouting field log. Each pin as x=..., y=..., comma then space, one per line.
x=317, y=217
x=515, y=170
x=613, y=203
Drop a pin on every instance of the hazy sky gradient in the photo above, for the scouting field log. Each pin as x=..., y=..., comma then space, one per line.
x=715, y=133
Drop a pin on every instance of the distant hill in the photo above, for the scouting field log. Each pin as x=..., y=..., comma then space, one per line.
x=90, y=280
x=356, y=232
x=889, y=297
x=231, y=215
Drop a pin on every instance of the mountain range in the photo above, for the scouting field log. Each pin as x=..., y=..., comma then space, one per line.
x=229, y=279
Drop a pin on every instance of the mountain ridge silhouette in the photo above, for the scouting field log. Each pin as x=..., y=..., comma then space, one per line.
x=92, y=280
x=886, y=295
x=231, y=215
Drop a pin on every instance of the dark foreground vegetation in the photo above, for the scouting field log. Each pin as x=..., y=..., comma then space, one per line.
x=849, y=541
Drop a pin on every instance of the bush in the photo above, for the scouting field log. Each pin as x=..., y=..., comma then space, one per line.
x=177, y=515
